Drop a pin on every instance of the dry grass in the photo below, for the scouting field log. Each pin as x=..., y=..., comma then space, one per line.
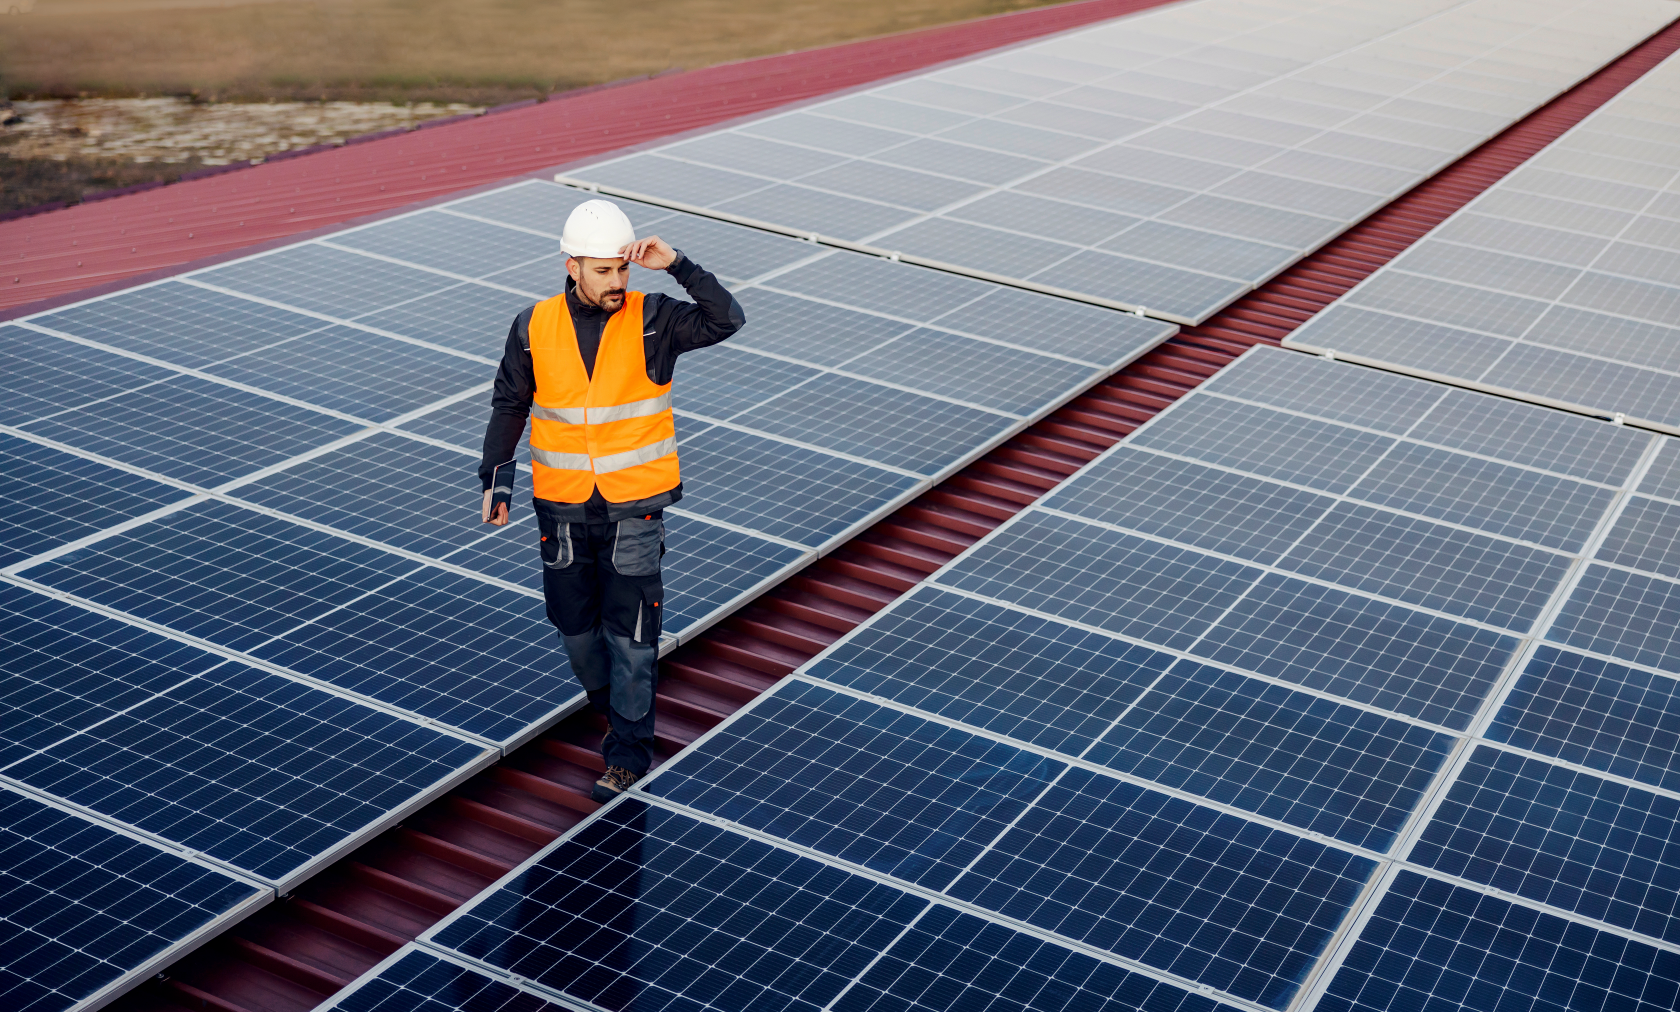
x=478, y=51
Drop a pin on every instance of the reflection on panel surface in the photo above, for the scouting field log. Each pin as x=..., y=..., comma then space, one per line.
x=1171, y=160
x=1559, y=284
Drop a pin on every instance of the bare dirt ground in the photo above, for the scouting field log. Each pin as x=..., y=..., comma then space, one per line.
x=241, y=79
x=476, y=51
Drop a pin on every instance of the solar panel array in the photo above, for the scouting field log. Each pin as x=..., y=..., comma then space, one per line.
x=1560, y=284
x=249, y=614
x=1281, y=703
x=1172, y=160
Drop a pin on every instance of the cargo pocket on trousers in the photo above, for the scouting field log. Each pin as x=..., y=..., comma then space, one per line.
x=637, y=547
x=556, y=543
x=648, y=622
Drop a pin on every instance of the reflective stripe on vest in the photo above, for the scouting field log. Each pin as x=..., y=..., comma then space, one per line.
x=613, y=430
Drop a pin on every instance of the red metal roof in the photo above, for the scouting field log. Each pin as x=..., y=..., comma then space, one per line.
x=97, y=245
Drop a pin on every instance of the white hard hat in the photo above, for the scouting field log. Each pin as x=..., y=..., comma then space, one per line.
x=596, y=228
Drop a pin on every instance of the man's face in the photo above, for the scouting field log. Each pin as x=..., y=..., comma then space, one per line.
x=600, y=282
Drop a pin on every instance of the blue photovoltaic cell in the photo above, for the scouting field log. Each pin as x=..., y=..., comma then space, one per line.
x=449, y=242
x=1646, y=536
x=65, y=668
x=877, y=787
x=224, y=574
x=194, y=430
x=508, y=553
x=450, y=647
x=1058, y=326
x=707, y=567
x=421, y=982
x=1264, y=442
x=1004, y=379
x=651, y=910
x=1369, y=651
x=461, y=423
x=878, y=423
x=1627, y=615
x=1573, y=841
x=470, y=318
x=85, y=906
x=1594, y=713
x=1663, y=477
x=813, y=332
x=1232, y=514
x=180, y=323
x=1494, y=497
x=915, y=293
x=400, y=491
x=1021, y=675
x=1211, y=897
x=41, y=375
x=1314, y=386
x=325, y=280
x=257, y=770
x=357, y=373
x=1102, y=577
x=782, y=490
x=1431, y=945
x=721, y=381
x=1415, y=561
x=1556, y=441
x=52, y=497
x=950, y=961
x=1301, y=759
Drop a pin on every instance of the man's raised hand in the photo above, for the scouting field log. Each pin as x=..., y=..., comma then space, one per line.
x=653, y=253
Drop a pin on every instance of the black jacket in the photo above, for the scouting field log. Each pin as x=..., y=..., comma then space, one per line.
x=669, y=328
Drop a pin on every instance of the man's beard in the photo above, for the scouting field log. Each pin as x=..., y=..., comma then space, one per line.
x=611, y=297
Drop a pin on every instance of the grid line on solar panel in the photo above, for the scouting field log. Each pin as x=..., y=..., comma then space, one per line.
x=727, y=919
x=1344, y=551
x=416, y=979
x=361, y=324
x=1367, y=738
x=224, y=653
x=289, y=499
x=1305, y=688
x=799, y=132
x=259, y=772
x=1569, y=840
x=1031, y=969
x=1190, y=812
x=90, y=909
x=885, y=789
x=183, y=372
x=362, y=619
x=1603, y=200
x=1249, y=911
x=1430, y=943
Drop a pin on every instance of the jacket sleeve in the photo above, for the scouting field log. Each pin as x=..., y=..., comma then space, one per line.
x=672, y=327
x=510, y=400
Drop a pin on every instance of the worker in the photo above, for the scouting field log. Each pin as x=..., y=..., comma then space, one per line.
x=592, y=367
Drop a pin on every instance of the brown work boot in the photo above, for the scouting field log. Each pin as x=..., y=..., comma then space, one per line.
x=613, y=783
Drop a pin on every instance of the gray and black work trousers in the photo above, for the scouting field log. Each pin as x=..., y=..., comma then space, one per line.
x=604, y=594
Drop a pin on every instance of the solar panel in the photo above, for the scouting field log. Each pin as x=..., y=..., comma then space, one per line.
x=1351, y=784
x=1556, y=285
x=262, y=773
x=1172, y=159
x=704, y=916
x=90, y=912
x=271, y=625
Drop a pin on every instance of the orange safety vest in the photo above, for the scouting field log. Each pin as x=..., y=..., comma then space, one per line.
x=614, y=430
